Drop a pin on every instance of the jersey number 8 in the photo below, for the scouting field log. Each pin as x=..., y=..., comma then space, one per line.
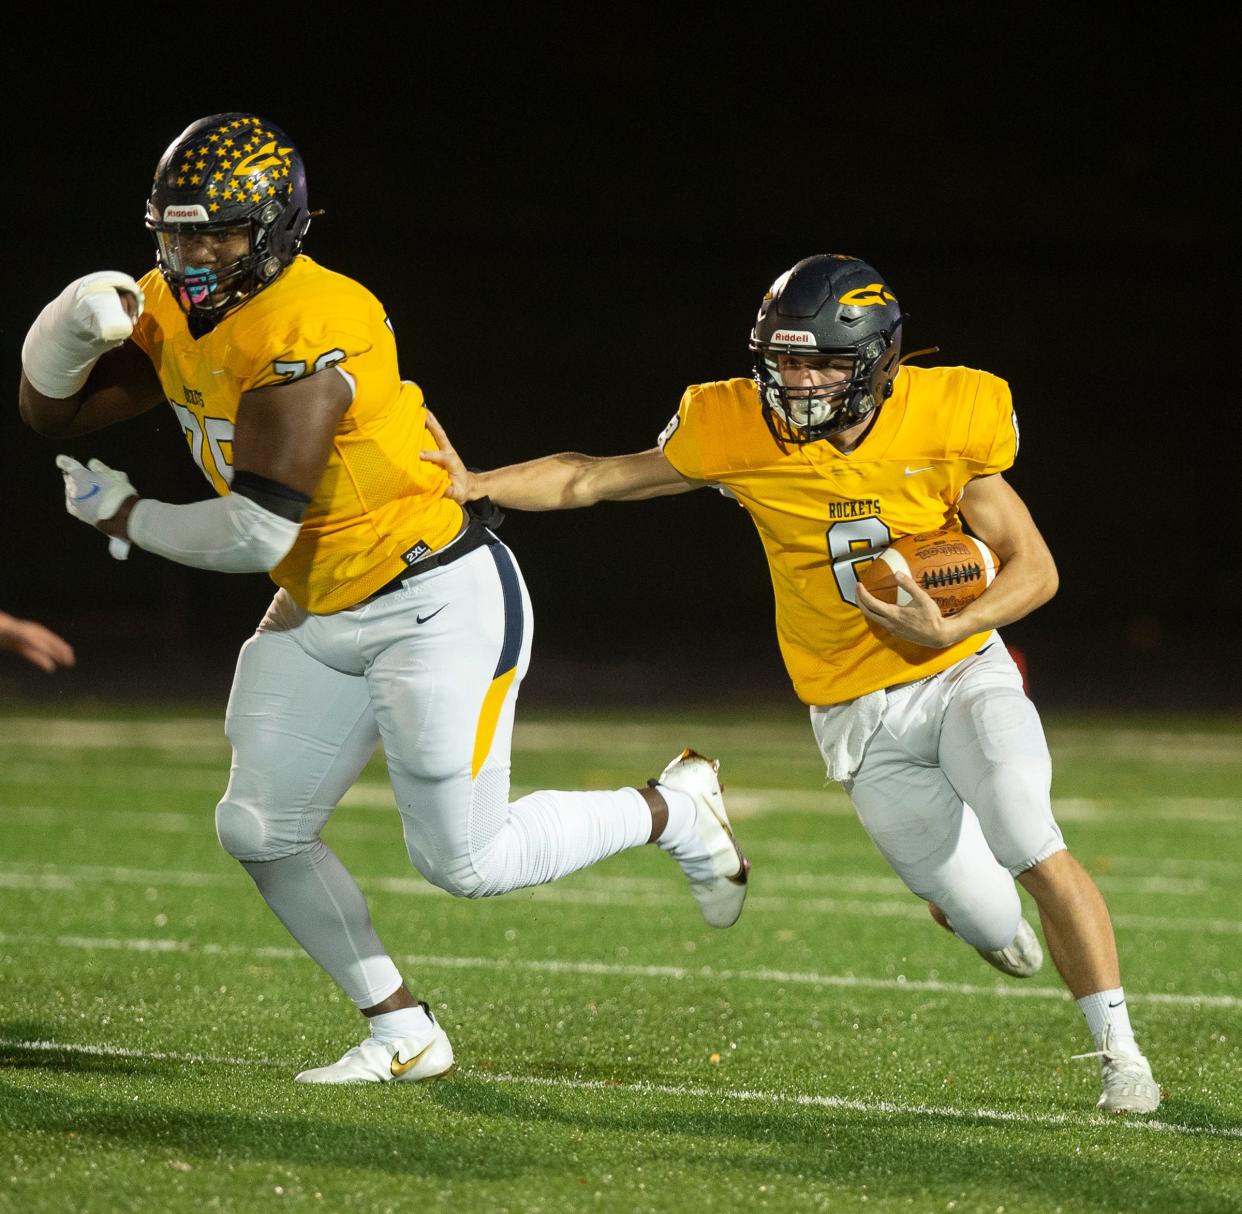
x=854, y=542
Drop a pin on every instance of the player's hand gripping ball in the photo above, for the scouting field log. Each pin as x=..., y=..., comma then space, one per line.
x=953, y=567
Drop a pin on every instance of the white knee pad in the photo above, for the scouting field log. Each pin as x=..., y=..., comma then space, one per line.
x=984, y=917
x=242, y=832
x=1016, y=816
x=463, y=882
x=467, y=870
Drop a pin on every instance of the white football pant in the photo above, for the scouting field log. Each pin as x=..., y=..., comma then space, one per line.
x=432, y=670
x=954, y=788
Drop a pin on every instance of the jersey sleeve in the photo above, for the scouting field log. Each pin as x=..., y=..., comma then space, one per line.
x=681, y=439
x=993, y=443
x=299, y=344
x=718, y=430
x=320, y=320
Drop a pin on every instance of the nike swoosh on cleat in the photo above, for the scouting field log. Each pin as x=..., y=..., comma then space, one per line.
x=422, y=619
x=399, y=1068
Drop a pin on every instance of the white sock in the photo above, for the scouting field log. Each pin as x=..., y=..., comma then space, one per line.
x=404, y=1022
x=682, y=813
x=545, y=835
x=1107, y=1010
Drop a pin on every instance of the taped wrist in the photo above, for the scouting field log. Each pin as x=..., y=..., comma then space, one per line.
x=84, y=322
x=232, y=534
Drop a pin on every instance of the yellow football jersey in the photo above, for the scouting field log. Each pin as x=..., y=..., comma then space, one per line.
x=378, y=507
x=822, y=514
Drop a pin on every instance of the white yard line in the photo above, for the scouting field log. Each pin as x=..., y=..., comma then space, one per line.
x=634, y=891
x=375, y=796
x=175, y=734
x=678, y=973
x=722, y=1096
x=787, y=735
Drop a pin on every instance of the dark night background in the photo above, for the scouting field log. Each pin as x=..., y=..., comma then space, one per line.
x=567, y=225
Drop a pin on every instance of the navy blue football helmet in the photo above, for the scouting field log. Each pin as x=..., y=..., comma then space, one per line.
x=837, y=307
x=228, y=174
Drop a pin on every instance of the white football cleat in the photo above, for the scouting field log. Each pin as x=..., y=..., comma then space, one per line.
x=1022, y=958
x=710, y=857
x=1127, y=1081
x=411, y=1060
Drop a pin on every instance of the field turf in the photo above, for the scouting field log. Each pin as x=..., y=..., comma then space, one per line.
x=833, y=1051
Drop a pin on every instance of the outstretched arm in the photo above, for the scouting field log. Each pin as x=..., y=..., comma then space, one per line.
x=35, y=643
x=559, y=482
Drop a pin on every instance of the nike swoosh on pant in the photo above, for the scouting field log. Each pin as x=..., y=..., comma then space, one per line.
x=422, y=619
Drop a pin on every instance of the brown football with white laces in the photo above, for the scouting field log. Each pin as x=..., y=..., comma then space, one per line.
x=953, y=567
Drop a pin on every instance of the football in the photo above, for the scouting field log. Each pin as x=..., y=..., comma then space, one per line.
x=953, y=567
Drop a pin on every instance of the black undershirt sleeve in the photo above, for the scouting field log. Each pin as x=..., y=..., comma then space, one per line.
x=271, y=495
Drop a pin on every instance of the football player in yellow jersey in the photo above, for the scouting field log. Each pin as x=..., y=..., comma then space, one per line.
x=834, y=449
x=399, y=616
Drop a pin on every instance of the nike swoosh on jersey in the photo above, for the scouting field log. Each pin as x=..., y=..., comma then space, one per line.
x=399, y=1068
x=422, y=619
x=914, y=471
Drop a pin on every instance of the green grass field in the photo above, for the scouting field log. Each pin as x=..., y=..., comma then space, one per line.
x=834, y=1050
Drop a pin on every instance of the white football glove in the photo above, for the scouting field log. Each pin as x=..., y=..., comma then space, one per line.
x=95, y=492
x=85, y=321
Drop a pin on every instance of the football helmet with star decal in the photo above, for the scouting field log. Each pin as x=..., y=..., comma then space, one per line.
x=829, y=310
x=228, y=211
